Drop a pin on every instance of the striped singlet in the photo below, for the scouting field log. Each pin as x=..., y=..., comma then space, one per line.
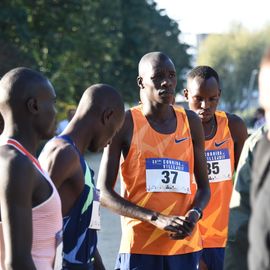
x=46, y=221
x=156, y=174
x=219, y=153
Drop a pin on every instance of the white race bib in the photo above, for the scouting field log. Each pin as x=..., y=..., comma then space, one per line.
x=95, y=218
x=167, y=175
x=218, y=165
x=59, y=250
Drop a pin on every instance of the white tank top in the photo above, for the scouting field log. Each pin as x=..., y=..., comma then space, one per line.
x=46, y=221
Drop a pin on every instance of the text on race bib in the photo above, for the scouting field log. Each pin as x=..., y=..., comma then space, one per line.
x=167, y=175
x=95, y=217
x=218, y=165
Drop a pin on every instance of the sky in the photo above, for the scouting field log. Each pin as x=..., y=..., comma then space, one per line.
x=216, y=16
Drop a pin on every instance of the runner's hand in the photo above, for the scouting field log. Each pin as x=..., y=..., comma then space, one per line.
x=187, y=226
x=168, y=223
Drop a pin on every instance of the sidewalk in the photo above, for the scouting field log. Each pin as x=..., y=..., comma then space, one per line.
x=110, y=233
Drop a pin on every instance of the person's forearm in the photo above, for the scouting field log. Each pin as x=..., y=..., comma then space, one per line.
x=18, y=264
x=116, y=203
x=202, y=198
x=98, y=264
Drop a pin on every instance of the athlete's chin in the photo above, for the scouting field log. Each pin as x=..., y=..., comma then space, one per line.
x=205, y=119
x=166, y=100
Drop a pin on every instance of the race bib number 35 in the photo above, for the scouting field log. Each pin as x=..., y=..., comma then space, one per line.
x=167, y=175
x=218, y=165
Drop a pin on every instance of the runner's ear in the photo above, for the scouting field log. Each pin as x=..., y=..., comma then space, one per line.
x=185, y=92
x=140, y=82
x=32, y=105
x=107, y=115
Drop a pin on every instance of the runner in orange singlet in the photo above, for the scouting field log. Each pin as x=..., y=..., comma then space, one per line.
x=225, y=135
x=161, y=148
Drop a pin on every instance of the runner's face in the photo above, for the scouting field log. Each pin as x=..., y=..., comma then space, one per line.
x=159, y=81
x=264, y=86
x=264, y=91
x=203, y=97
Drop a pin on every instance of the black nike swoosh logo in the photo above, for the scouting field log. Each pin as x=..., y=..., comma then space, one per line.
x=181, y=140
x=219, y=144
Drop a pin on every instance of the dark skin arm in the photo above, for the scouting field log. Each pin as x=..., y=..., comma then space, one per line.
x=98, y=264
x=106, y=180
x=202, y=196
x=62, y=163
x=16, y=190
x=239, y=134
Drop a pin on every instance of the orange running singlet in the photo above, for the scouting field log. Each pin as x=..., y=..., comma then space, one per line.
x=157, y=175
x=219, y=153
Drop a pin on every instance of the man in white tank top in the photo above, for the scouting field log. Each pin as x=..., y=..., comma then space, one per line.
x=30, y=215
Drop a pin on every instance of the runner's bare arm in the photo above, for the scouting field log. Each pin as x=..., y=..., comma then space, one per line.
x=16, y=191
x=200, y=168
x=203, y=191
x=60, y=160
x=98, y=264
x=63, y=165
x=239, y=134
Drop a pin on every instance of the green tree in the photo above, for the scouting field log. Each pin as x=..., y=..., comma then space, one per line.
x=145, y=29
x=79, y=43
x=235, y=56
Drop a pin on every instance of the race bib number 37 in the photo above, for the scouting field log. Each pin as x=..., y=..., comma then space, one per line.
x=167, y=175
x=218, y=165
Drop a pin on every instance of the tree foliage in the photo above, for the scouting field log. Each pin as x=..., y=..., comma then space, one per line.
x=236, y=57
x=79, y=43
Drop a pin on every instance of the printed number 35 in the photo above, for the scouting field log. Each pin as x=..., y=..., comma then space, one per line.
x=213, y=168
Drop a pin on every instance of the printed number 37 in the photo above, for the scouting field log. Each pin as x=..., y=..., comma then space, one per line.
x=168, y=176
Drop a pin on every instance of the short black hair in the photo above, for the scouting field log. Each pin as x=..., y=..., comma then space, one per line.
x=204, y=72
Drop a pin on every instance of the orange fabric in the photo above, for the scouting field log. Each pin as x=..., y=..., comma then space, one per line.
x=214, y=225
x=141, y=237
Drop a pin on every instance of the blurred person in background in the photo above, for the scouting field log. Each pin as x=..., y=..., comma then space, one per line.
x=240, y=210
x=259, y=119
x=259, y=226
x=62, y=124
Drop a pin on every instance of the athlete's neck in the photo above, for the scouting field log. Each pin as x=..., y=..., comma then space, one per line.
x=158, y=113
x=210, y=128
x=30, y=143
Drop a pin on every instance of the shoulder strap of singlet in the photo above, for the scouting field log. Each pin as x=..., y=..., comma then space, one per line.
x=89, y=174
x=70, y=141
x=19, y=147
